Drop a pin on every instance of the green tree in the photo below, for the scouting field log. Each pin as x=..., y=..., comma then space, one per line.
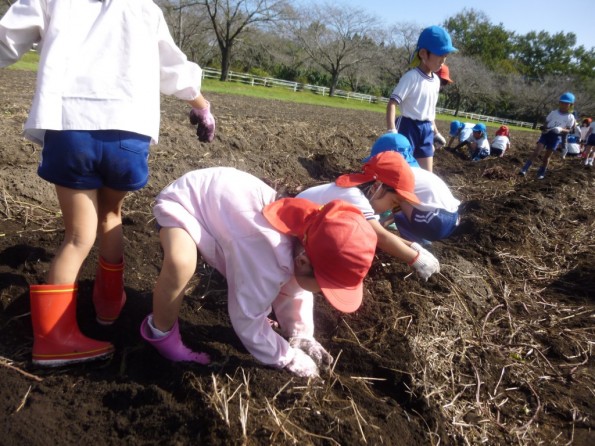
x=539, y=54
x=475, y=36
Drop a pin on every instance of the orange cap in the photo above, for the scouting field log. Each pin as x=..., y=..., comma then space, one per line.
x=338, y=240
x=389, y=168
x=444, y=74
x=503, y=130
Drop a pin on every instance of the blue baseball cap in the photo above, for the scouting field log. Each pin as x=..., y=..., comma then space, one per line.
x=436, y=40
x=394, y=142
x=455, y=127
x=567, y=97
x=479, y=127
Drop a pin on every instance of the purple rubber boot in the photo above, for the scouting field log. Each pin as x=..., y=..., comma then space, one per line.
x=171, y=346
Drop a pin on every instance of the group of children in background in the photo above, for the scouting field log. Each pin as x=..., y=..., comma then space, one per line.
x=560, y=132
x=475, y=138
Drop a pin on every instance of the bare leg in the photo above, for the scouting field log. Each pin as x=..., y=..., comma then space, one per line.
x=179, y=263
x=79, y=213
x=111, y=238
x=536, y=152
x=546, y=158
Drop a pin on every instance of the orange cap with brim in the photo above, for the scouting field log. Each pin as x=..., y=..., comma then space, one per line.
x=338, y=240
x=444, y=74
x=389, y=168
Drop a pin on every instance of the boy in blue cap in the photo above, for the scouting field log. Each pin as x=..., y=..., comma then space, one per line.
x=416, y=94
x=478, y=144
x=558, y=122
x=395, y=142
x=460, y=131
x=436, y=215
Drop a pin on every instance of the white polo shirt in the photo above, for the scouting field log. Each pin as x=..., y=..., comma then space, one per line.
x=417, y=95
x=325, y=193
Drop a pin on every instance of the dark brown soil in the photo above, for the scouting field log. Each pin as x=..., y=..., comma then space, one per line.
x=496, y=349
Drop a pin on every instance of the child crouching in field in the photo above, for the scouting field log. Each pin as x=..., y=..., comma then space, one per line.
x=557, y=122
x=386, y=181
x=435, y=216
x=477, y=143
x=274, y=254
x=501, y=142
x=460, y=131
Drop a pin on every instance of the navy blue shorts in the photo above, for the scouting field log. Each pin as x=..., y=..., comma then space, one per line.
x=550, y=140
x=419, y=134
x=93, y=159
x=424, y=225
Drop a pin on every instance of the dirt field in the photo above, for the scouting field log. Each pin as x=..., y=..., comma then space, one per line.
x=495, y=349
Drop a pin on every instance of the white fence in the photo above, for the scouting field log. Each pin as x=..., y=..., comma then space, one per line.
x=249, y=79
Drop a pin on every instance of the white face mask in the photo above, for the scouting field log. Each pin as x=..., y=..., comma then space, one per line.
x=375, y=193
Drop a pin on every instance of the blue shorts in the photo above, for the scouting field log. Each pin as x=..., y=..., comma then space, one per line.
x=93, y=159
x=550, y=140
x=591, y=140
x=424, y=225
x=419, y=133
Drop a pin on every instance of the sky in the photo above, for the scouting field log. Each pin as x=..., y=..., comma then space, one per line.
x=520, y=16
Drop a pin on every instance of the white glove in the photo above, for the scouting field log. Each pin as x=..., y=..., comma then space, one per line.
x=302, y=365
x=425, y=264
x=314, y=350
x=556, y=130
x=438, y=138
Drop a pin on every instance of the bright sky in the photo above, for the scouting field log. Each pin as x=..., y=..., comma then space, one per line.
x=520, y=16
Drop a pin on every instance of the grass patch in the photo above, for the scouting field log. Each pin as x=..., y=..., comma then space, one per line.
x=284, y=94
x=28, y=62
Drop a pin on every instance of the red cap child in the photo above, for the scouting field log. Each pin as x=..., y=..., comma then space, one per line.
x=338, y=241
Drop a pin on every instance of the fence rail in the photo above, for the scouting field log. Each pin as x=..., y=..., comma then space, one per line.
x=211, y=73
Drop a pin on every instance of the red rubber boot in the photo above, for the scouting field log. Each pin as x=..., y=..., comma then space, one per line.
x=108, y=292
x=57, y=339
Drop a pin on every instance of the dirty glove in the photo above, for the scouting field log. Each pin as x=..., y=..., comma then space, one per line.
x=425, y=264
x=314, y=350
x=205, y=121
x=302, y=365
x=438, y=138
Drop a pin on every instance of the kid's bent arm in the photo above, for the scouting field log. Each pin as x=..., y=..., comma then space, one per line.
x=393, y=244
x=390, y=115
x=20, y=28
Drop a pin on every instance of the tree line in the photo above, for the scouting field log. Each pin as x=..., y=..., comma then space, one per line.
x=496, y=71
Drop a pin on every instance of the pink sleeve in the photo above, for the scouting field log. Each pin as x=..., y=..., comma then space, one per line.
x=294, y=308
